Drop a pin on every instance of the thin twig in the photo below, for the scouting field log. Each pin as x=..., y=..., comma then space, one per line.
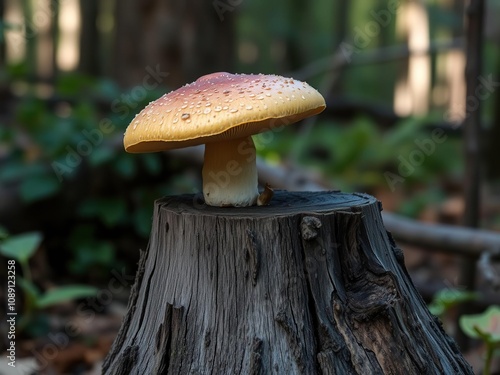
x=339, y=59
x=472, y=131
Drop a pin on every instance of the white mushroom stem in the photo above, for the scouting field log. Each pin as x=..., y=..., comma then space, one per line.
x=230, y=173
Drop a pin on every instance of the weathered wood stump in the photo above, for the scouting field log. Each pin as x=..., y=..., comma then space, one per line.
x=311, y=284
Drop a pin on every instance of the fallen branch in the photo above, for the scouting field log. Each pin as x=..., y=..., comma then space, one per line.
x=444, y=238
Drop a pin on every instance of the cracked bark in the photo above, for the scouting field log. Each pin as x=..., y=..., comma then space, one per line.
x=310, y=284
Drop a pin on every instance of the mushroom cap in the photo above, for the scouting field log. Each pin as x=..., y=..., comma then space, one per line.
x=221, y=106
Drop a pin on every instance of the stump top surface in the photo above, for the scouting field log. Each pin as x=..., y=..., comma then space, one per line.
x=282, y=203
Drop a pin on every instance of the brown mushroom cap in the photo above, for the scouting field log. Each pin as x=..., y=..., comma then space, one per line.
x=221, y=106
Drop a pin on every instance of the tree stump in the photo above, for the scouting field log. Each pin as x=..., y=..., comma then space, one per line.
x=311, y=284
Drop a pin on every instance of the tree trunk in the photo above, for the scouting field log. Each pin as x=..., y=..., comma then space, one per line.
x=310, y=284
x=89, y=38
x=185, y=38
x=3, y=44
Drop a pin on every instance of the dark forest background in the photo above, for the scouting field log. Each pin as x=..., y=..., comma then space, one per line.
x=74, y=73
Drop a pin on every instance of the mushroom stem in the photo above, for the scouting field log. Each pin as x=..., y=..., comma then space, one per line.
x=230, y=173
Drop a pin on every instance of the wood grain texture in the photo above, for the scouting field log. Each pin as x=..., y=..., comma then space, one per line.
x=311, y=284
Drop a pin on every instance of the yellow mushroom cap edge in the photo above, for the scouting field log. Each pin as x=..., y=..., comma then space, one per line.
x=221, y=106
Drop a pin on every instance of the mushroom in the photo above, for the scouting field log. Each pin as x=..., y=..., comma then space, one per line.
x=222, y=111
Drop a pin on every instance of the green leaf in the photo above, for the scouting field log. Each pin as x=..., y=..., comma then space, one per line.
x=447, y=298
x=73, y=84
x=107, y=88
x=18, y=70
x=437, y=308
x=450, y=297
x=65, y=293
x=125, y=166
x=21, y=247
x=38, y=187
x=28, y=288
x=152, y=163
x=89, y=208
x=101, y=155
x=16, y=170
x=485, y=326
x=111, y=211
x=90, y=252
x=31, y=293
x=143, y=221
x=11, y=171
